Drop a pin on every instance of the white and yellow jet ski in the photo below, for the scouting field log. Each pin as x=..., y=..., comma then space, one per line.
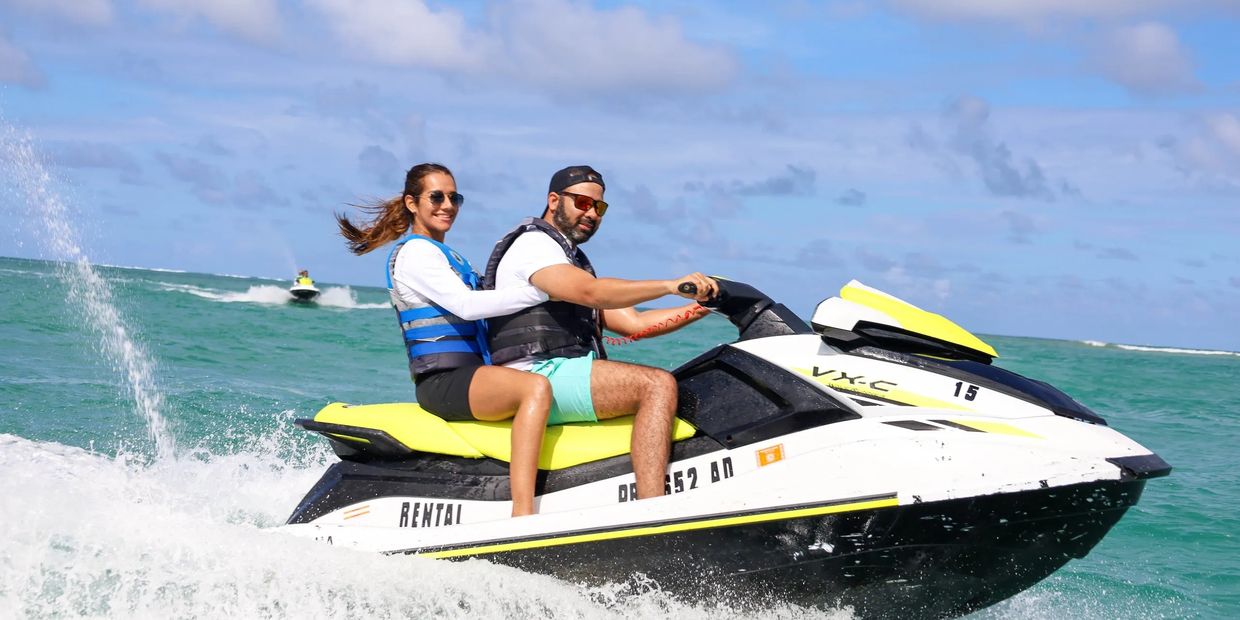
x=303, y=292
x=874, y=459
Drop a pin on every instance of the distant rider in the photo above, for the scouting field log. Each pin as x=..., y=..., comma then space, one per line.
x=303, y=278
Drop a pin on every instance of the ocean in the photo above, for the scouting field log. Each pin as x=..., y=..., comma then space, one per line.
x=148, y=455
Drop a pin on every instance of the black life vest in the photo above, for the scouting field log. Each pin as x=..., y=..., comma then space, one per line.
x=552, y=328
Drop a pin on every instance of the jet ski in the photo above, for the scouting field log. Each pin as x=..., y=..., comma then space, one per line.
x=875, y=458
x=303, y=292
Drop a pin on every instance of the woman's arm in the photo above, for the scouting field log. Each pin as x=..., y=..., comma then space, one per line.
x=421, y=267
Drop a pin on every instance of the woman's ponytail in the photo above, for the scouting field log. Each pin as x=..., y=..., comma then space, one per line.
x=389, y=220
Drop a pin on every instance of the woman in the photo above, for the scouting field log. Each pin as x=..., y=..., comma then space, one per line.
x=434, y=291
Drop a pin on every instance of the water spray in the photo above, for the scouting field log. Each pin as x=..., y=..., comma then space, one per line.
x=87, y=290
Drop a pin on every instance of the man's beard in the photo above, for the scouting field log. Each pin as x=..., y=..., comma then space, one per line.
x=574, y=234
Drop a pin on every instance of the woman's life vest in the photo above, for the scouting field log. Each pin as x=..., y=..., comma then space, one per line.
x=436, y=339
x=552, y=328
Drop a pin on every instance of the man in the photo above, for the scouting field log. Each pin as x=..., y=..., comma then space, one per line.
x=562, y=338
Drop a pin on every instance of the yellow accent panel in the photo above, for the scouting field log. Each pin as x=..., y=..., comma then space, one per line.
x=350, y=437
x=563, y=446
x=405, y=422
x=915, y=319
x=899, y=396
x=1000, y=428
x=665, y=529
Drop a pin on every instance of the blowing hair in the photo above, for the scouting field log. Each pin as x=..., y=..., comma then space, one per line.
x=389, y=219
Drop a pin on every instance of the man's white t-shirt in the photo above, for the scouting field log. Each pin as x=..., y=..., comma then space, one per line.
x=423, y=275
x=530, y=252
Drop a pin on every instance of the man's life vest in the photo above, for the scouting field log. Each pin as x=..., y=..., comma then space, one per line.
x=436, y=339
x=552, y=328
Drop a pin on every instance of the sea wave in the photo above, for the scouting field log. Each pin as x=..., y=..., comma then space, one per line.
x=196, y=535
x=1150, y=349
x=331, y=296
x=137, y=268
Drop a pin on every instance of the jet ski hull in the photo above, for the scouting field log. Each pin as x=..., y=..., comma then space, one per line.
x=304, y=293
x=937, y=559
x=874, y=554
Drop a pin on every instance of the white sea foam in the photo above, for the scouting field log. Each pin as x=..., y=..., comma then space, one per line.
x=137, y=268
x=91, y=535
x=1133, y=347
x=1149, y=349
x=331, y=296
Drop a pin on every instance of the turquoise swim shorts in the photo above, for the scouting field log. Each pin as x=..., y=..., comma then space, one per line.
x=570, y=388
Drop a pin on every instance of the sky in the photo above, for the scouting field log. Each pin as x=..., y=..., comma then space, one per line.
x=1048, y=168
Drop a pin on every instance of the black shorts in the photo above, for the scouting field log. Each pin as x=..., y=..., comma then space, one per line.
x=446, y=393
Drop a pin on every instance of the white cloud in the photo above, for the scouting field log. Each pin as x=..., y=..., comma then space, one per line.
x=1147, y=59
x=84, y=12
x=1226, y=130
x=1004, y=174
x=1036, y=11
x=541, y=43
x=15, y=66
x=254, y=20
x=564, y=43
x=1211, y=152
x=405, y=32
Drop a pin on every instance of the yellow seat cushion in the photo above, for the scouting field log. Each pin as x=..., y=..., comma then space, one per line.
x=563, y=446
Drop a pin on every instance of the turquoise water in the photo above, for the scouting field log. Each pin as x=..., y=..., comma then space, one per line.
x=148, y=452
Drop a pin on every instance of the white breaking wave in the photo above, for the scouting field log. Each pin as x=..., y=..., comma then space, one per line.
x=92, y=535
x=1133, y=347
x=331, y=296
x=1149, y=349
x=137, y=268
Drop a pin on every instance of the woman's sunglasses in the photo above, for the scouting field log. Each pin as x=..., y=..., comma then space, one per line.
x=437, y=197
x=585, y=202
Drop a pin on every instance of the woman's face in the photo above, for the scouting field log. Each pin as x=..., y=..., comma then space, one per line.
x=430, y=219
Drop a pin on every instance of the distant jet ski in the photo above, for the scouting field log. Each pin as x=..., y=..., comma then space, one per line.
x=303, y=288
x=875, y=460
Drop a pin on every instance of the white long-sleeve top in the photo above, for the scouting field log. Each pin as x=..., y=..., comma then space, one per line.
x=422, y=274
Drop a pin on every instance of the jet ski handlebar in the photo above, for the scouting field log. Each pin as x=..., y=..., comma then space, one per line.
x=753, y=313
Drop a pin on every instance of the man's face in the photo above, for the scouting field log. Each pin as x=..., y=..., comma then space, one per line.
x=576, y=224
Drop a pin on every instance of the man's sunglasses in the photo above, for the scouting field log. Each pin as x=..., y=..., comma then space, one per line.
x=437, y=197
x=585, y=202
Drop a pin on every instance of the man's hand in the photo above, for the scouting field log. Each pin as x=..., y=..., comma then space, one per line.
x=703, y=289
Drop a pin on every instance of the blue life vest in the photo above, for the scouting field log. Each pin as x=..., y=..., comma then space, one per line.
x=436, y=339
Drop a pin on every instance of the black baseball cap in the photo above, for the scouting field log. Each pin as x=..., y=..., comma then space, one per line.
x=573, y=175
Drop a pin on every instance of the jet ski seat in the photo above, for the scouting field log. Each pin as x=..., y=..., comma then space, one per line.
x=395, y=430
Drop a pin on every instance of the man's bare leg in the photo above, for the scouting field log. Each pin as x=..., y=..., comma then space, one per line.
x=620, y=389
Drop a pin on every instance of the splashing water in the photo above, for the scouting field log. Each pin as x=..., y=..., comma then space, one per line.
x=190, y=537
x=87, y=290
x=332, y=296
